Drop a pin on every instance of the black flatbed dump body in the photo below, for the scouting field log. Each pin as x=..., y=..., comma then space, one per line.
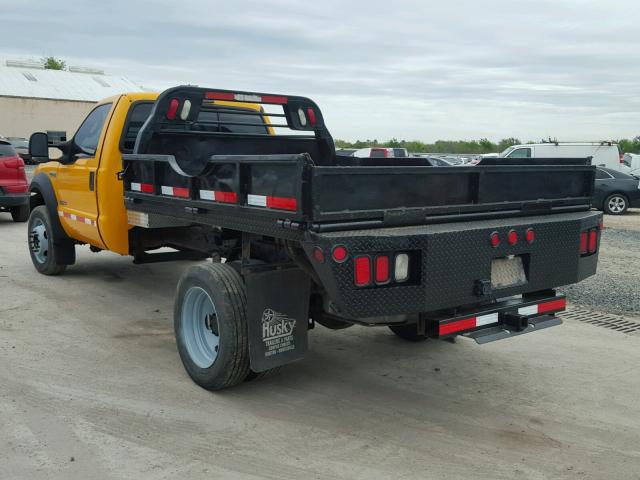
x=429, y=251
x=291, y=185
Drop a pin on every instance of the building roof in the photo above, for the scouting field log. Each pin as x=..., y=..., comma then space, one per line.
x=87, y=86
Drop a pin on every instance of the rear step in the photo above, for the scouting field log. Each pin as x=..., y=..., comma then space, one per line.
x=501, y=320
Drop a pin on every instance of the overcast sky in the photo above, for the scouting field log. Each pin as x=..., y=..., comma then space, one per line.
x=378, y=69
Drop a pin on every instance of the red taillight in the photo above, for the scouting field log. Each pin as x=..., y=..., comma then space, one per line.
x=312, y=116
x=621, y=157
x=584, y=240
x=225, y=197
x=382, y=269
x=494, y=239
x=530, y=236
x=339, y=254
x=173, y=108
x=362, y=271
x=512, y=237
x=318, y=254
x=593, y=240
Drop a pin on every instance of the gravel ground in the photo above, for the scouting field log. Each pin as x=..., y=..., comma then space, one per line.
x=616, y=286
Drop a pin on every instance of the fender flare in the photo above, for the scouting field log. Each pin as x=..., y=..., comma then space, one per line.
x=41, y=186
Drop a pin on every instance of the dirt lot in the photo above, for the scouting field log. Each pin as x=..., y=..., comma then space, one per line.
x=91, y=387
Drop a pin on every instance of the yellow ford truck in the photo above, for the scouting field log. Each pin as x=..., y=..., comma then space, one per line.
x=290, y=234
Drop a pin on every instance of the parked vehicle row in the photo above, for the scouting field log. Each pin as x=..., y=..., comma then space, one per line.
x=14, y=188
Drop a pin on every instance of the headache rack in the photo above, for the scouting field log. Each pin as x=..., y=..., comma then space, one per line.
x=266, y=164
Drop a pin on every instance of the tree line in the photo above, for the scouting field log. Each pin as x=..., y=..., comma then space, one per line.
x=465, y=146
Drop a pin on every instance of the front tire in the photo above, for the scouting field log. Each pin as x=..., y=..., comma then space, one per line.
x=42, y=247
x=211, y=327
x=616, y=204
x=20, y=214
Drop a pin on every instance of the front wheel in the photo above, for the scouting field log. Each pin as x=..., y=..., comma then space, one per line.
x=211, y=326
x=616, y=204
x=42, y=247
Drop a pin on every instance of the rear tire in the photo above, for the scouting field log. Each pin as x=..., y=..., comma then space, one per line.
x=616, y=204
x=20, y=214
x=408, y=332
x=42, y=246
x=211, y=326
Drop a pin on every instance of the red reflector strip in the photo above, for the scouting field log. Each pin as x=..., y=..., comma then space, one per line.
x=246, y=97
x=553, y=306
x=175, y=191
x=275, y=99
x=216, y=196
x=468, y=323
x=545, y=307
x=281, y=203
x=458, y=326
x=77, y=218
x=220, y=95
x=142, y=187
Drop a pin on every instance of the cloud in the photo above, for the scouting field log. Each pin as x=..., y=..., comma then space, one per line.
x=405, y=69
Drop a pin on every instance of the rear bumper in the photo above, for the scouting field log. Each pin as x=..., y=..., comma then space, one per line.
x=14, y=200
x=503, y=319
x=452, y=260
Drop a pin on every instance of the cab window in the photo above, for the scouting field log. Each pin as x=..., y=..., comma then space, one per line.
x=88, y=134
x=520, y=153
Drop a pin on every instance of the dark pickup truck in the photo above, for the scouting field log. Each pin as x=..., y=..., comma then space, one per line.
x=299, y=235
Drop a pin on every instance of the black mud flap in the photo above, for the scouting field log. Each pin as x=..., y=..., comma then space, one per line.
x=277, y=316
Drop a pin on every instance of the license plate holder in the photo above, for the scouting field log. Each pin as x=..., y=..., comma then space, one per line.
x=507, y=272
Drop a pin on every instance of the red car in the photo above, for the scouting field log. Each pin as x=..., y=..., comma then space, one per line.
x=14, y=188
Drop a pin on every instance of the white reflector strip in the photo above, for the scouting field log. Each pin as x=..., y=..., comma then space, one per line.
x=530, y=310
x=486, y=319
x=257, y=200
x=247, y=98
x=207, y=195
x=136, y=187
x=166, y=190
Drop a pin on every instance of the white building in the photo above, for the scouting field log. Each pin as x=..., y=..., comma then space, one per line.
x=33, y=99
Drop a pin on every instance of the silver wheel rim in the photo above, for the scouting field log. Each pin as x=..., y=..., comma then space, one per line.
x=39, y=241
x=200, y=327
x=617, y=204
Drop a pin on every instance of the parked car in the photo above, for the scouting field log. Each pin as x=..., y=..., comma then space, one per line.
x=604, y=154
x=21, y=146
x=615, y=192
x=631, y=163
x=373, y=152
x=14, y=188
x=441, y=162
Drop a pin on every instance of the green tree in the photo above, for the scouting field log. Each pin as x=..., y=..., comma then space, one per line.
x=53, y=63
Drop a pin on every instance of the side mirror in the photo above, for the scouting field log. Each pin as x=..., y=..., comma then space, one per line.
x=39, y=147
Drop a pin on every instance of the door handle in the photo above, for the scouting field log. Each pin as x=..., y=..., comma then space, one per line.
x=92, y=180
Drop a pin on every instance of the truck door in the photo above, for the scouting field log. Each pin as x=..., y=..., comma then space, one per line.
x=77, y=201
